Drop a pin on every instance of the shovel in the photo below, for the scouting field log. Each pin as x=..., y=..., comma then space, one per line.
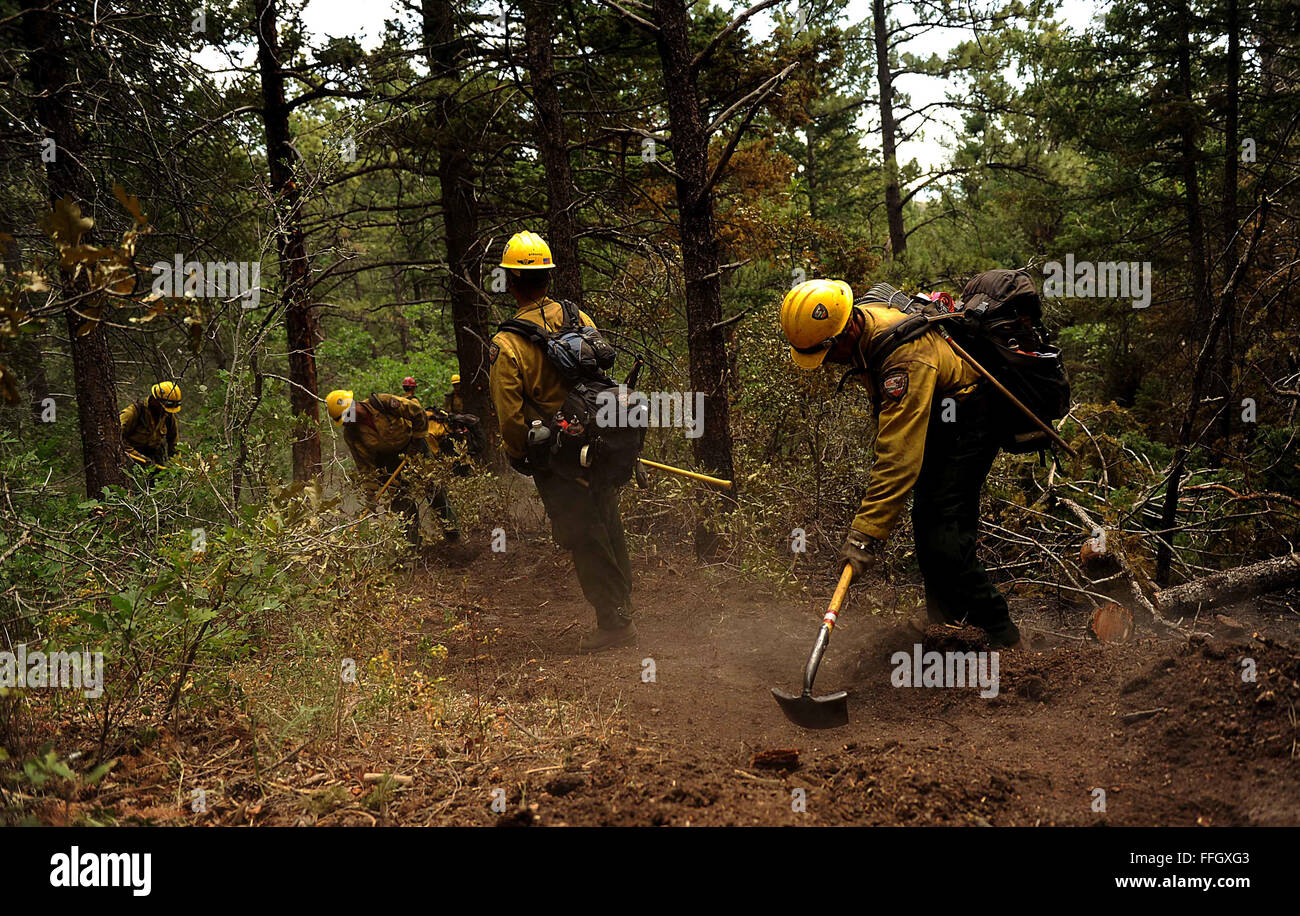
x=832, y=710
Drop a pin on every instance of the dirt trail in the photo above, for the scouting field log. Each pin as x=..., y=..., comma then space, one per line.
x=678, y=748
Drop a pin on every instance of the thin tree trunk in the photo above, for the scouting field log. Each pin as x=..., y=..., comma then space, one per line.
x=92, y=362
x=1228, y=345
x=1186, y=432
x=690, y=147
x=300, y=317
x=1200, y=299
x=456, y=176
x=553, y=144
x=888, y=132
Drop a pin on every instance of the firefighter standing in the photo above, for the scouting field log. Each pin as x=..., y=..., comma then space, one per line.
x=936, y=436
x=408, y=389
x=381, y=432
x=453, y=400
x=526, y=387
x=149, y=428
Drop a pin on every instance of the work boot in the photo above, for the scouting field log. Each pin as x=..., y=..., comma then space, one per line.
x=600, y=639
x=1004, y=636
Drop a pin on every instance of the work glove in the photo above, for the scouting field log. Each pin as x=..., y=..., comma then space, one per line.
x=861, y=552
x=418, y=447
x=521, y=465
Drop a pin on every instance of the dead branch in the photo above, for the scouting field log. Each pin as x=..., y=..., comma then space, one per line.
x=1229, y=585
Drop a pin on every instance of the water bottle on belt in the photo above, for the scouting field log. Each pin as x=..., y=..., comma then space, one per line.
x=539, y=445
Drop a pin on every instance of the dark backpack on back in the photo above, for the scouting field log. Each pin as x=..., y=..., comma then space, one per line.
x=464, y=436
x=584, y=444
x=999, y=322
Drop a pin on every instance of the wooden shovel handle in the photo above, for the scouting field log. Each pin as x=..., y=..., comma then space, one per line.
x=396, y=471
x=837, y=600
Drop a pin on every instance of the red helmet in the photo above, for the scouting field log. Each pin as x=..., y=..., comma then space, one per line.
x=408, y=382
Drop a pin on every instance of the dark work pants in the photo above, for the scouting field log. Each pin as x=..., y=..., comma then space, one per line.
x=945, y=519
x=405, y=500
x=586, y=522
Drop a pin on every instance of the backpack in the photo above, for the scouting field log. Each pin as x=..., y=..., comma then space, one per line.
x=577, y=352
x=464, y=429
x=999, y=322
x=583, y=444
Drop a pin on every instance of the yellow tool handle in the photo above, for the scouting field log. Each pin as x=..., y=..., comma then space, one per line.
x=397, y=471
x=837, y=600
x=137, y=457
x=702, y=478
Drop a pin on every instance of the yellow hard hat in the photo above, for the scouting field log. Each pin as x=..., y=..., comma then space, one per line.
x=527, y=251
x=455, y=379
x=337, y=403
x=168, y=394
x=813, y=313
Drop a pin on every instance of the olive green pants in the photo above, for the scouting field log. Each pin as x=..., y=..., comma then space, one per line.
x=586, y=522
x=945, y=519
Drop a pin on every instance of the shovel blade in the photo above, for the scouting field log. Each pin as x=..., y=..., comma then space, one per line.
x=807, y=711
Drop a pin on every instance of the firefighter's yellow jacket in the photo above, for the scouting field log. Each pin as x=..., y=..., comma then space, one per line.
x=524, y=385
x=387, y=426
x=144, y=432
x=903, y=392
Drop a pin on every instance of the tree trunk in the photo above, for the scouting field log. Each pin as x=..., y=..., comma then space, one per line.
x=92, y=362
x=300, y=317
x=456, y=176
x=888, y=132
x=690, y=148
x=1228, y=345
x=1200, y=298
x=553, y=144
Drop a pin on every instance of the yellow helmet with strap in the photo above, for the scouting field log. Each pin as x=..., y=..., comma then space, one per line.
x=168, y=394
x=812, y=314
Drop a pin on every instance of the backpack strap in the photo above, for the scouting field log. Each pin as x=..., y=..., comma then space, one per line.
x=905, y=331
x=572, y=316
x=525, y=329
x=571, y=320
x=909, y=329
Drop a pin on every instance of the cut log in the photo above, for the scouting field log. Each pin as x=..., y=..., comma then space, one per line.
x=1229, y=585
x=1099, y=561
x=1111, y=623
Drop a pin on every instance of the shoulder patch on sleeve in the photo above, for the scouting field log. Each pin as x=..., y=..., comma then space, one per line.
x=493, y=352
x=894, y=384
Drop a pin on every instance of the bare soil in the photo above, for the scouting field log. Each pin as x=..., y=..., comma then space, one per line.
x=1167, y=728
x=681, y=729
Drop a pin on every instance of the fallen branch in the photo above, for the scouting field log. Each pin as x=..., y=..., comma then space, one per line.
x=378, y=778
x=1097, y=548
x=1229, y=585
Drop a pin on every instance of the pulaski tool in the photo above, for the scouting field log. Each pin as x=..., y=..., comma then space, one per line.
x=832, y=710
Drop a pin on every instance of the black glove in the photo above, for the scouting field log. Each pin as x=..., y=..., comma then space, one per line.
x=861, y=552
x=521, y=465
